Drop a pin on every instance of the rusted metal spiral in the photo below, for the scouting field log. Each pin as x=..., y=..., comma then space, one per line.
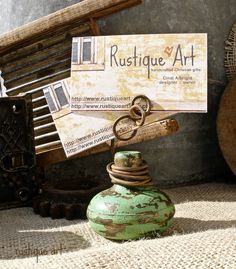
x=130, y=176
x=137, y=114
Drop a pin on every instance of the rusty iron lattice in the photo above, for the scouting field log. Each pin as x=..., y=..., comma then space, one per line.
x=18, y=183
x=230, y=54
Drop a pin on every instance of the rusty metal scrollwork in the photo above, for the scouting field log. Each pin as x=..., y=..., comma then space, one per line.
x=17, y=154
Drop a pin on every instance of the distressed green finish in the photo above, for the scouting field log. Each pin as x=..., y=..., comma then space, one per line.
x=128, y=159
x=122, y=213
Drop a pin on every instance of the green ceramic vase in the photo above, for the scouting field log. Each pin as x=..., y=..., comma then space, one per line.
x=123, y=213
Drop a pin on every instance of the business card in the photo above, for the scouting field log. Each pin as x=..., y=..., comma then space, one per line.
x=79, y=131
x=109, y=71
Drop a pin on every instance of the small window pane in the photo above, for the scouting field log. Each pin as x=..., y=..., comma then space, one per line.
x=50, y=102
x=87, y=51
x=61, y=96
x=75, y=52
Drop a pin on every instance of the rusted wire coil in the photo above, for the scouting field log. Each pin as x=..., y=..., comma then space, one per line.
x=137, y=115
x=130, y=176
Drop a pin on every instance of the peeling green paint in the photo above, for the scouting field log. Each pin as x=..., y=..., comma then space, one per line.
x=122, y=213
x=147, y=210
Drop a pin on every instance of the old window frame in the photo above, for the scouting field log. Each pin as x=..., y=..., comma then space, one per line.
x=54, y=96
x=80, y=50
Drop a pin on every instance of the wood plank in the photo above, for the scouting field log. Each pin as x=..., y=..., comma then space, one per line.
x=38, y=94
x=116, y=8
x=41, y=120
x=34, y=92
x=32, y=62
x=51, y=146
x=94, y=27
x=39, y=83
x=41, y=102
x=38, y=99
x=40, y=74
x=41, y=112
x=44, y=128
x=42, y=117
x=37, y=109
x=46, y=135
x=82, y=10
x=45, y=42
x=46, y=138
x=149, y=132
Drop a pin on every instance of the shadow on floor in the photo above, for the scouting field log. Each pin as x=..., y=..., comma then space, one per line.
x=34, y=221
x=203, y=192
x=37, y=243
x=190, y=225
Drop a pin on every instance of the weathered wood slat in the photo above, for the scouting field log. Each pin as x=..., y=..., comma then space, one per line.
x=40, y=74
x=41, y=120
x=37, y=109
x=40, y=132
x=33, y=66
x=36, y=119
x=33, y=62
x=41, y=112
x=44, y=128
x=48, y=147
x=34, y=92
x=29, y=57
x=116, y=8
x=148, y=132
x=46, y=135
x=46, y=52
x=37, y=74
x=38, y=83
x=39, y=103
x=38, y=99
x=46, y=138
x=38, y=94
x=66, y=16
x=47, y=41
x=46, y=141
